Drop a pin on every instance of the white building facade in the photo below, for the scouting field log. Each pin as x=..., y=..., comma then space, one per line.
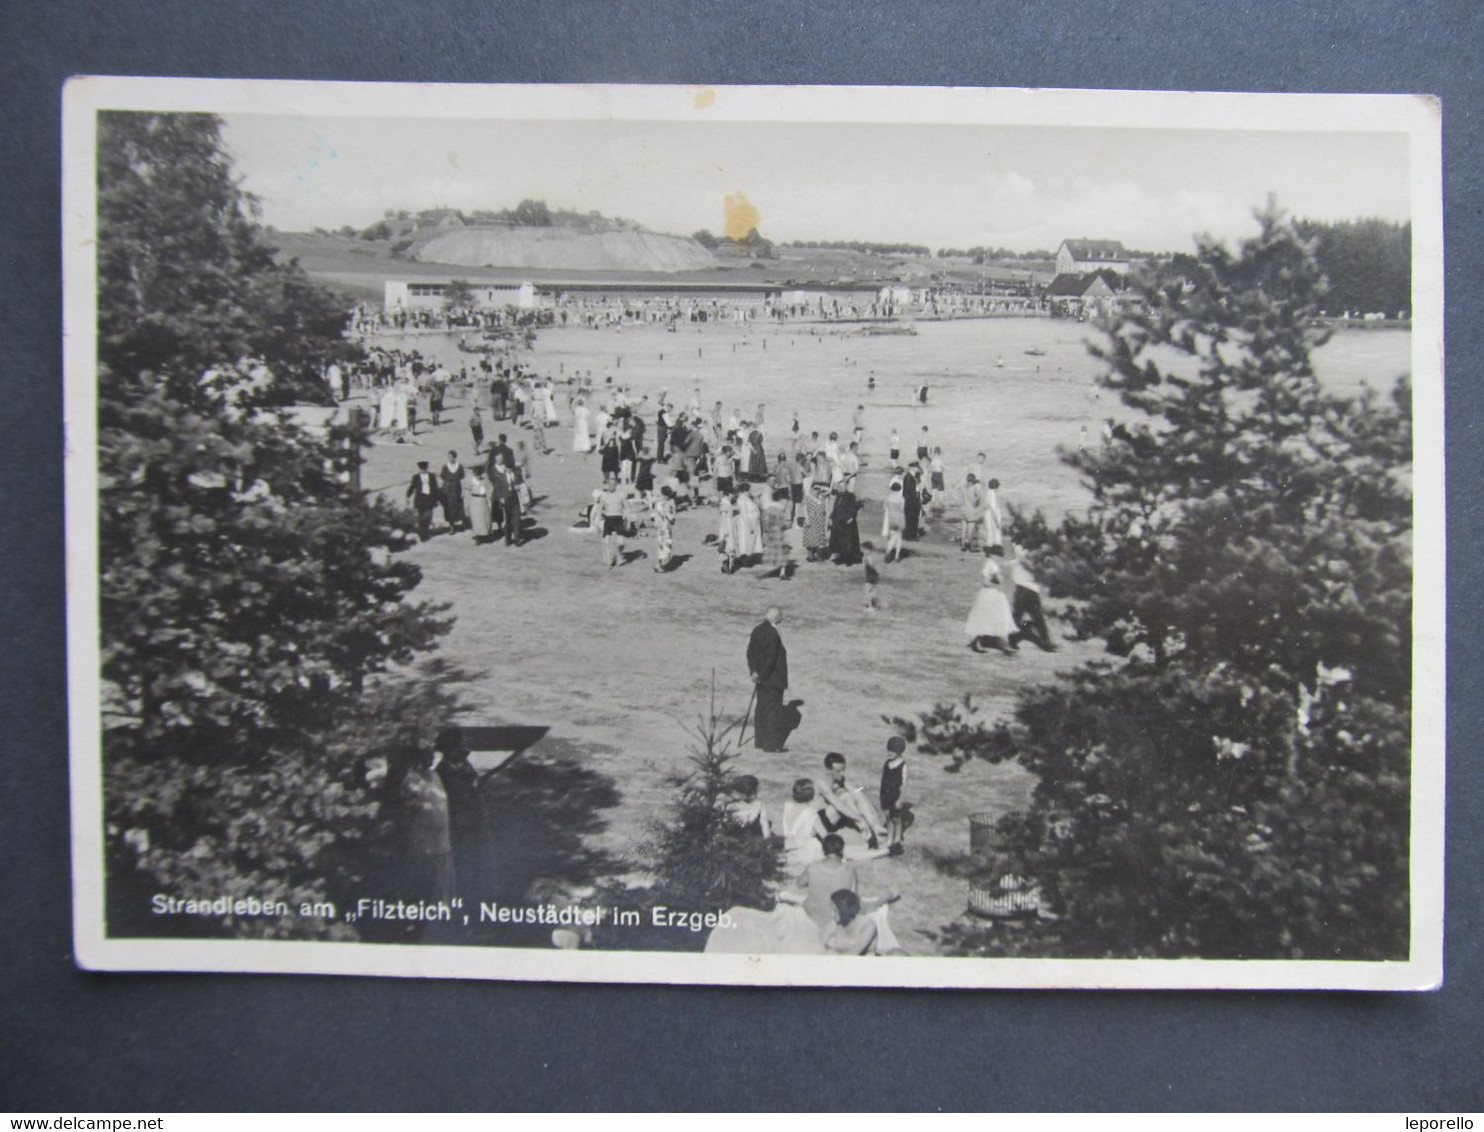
x=1079, y=257
x=428, y=294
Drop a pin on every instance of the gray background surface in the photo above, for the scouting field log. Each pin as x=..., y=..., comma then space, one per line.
x=74, y=1041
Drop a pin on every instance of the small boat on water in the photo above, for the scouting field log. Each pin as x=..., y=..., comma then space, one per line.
x=1036, y=352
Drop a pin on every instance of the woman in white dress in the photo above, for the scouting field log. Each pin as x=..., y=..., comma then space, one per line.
x=990, y=619
x=387, y=418
x=727, y=532
x=801, y=828
x=548, y=402
x=993, y=529
x=894, y=520
x=751, y=516
x=477, y=504
x=400, y=419
x=582, y=440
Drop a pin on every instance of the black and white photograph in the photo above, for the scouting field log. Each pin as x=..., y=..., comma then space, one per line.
x=755, y=535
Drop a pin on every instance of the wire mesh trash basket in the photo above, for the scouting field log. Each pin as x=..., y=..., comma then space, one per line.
x=1008, y=898
x=981, y=830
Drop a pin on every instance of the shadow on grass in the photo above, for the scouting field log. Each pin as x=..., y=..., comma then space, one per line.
x=295, y=815
x=542, y=805
x=958, y=866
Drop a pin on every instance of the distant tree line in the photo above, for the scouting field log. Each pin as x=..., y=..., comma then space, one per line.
x=865, y=247
x=1367, y=263
x=754, y=243
x=527, y=214
x=989, y=255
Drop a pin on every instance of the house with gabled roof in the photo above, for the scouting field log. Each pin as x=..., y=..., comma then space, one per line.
x=1078, y=257
x=1077, y=293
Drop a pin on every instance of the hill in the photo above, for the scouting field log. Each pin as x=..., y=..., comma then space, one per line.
x=561, y=248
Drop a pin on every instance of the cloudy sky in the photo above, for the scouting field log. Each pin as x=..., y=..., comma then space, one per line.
x=1020, y=187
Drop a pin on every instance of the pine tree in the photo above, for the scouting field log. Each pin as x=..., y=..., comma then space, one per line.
x=702, y=858
x=185, y=279
x=247, y=592
x=1234, y=779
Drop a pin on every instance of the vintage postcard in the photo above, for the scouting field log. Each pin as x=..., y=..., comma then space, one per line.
x=778, y=536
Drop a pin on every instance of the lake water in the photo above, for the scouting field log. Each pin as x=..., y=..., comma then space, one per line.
x=985, y=393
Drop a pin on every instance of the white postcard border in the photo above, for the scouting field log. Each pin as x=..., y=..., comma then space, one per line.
x=1417, y=116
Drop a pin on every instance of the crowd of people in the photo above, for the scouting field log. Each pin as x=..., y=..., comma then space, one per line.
x=368, y=321
x=782, y=500
x=782, y=497
x=829, y=829
x=600, y=313
x=799, y=507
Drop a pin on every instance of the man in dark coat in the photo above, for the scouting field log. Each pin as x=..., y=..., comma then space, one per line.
x=425, y=494
x=767, y=661
x=912, y=501
x=451, y=477
x=501, y=457
x=845, y=535
x=690, y=461
x=507, y=497
x=662, y=434
x=1025, y=611
x=498, y=468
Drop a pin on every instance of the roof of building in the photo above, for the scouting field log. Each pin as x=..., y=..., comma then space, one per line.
x=1074, y=285
x=1107, y=251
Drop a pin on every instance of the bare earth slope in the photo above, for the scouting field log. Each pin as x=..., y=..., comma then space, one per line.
x=564, y=249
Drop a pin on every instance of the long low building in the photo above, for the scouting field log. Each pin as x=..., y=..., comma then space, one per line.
x=430, y=293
